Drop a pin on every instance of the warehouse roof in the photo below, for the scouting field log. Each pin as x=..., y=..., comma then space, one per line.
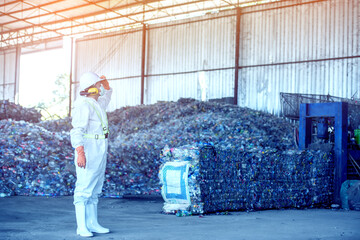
x=32, y=21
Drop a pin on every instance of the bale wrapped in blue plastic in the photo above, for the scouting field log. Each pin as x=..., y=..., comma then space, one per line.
x=179, y=175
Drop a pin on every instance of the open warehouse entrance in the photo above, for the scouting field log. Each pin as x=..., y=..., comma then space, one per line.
x=44, y=82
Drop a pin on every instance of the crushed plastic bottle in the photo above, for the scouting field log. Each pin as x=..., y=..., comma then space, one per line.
x=221, y=180
x=9, y=110
x=183, y=213
x=37, y=159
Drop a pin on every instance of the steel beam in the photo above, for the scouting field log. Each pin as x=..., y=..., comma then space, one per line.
x=237, y=50
x=77, y=17
x=71, y=76
x=143, y=56
x=4, y=75
x=110, y=10
x=17, y=72
x=32, y=25
x=9, y=3
x=109, y=19
x=123, y=25
x=33, y=7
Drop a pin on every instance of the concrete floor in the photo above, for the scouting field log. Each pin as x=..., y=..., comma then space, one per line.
x=43, y=218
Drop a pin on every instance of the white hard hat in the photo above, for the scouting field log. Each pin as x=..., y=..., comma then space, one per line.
x=88, y=79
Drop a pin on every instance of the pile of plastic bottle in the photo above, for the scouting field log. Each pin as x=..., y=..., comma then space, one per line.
x=37, y=159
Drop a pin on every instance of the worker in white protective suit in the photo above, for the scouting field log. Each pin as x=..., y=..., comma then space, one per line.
x=89, y=137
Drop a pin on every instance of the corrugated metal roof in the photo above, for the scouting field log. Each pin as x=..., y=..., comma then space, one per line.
x=35, y=21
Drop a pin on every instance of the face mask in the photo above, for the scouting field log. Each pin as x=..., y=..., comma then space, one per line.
x=102, y=90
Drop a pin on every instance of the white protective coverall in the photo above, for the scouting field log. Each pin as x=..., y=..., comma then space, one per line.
x=85, y=120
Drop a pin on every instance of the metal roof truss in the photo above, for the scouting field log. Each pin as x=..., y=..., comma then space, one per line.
x=33, y=21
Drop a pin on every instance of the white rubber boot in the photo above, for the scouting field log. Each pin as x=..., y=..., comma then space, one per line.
x=91, y=220
x=81, y=222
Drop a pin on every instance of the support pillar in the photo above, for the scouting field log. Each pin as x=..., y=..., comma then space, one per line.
x=237, y=55
x=17, y=74
x=70, y=77
x=143, y=55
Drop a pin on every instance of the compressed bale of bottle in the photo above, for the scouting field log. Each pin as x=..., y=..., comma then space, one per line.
x=235, y=180
x=231, y=180
x=179, y=175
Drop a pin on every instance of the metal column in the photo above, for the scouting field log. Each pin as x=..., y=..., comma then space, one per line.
x=143, y=53
x=4, y=75
x=237, y=54
x=70, y=78
x=17, y=74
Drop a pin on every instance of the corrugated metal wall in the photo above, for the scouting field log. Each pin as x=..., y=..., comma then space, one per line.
x=8, y=75
x=200, y=50
x=177, y=56
x=301, y=48
x=291, y=46
x=119, y=58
